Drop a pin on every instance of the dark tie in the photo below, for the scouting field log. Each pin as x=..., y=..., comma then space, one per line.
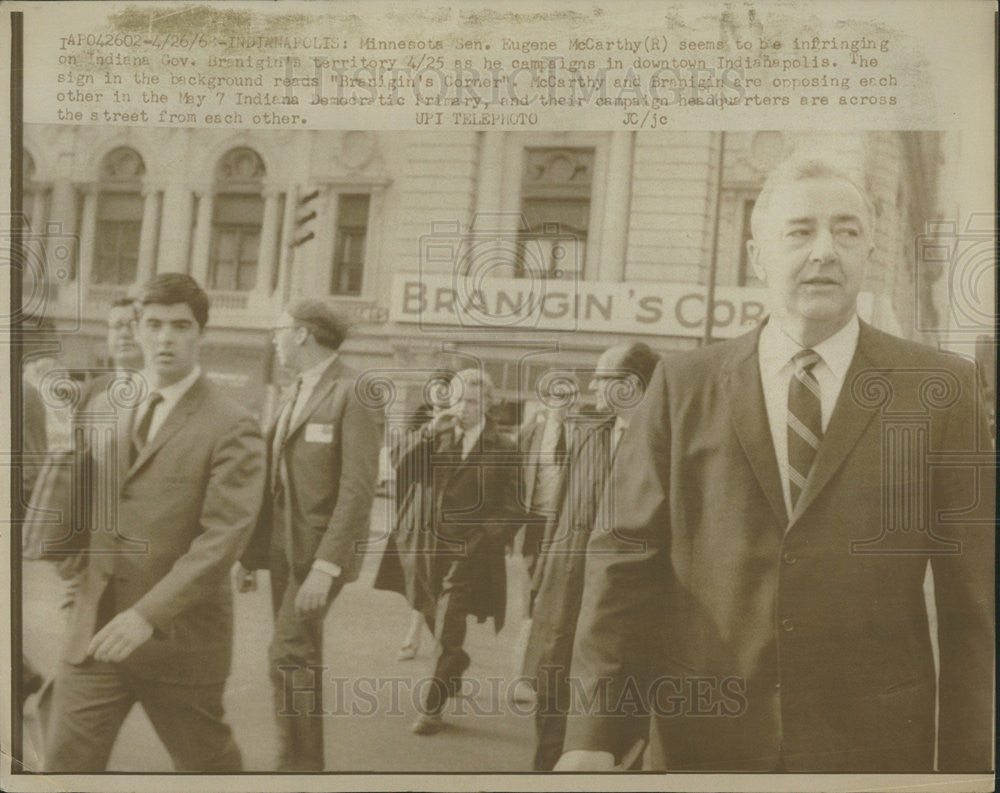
x=281, y=432
x=805, y=421
x=141, y=433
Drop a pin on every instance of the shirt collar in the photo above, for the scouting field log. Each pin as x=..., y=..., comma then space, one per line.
x=172, y=393
x=470, y=436
x=838, y=350
x=312, y=375
x=776, y=348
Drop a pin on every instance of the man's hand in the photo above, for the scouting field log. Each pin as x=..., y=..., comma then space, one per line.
x=245, y=580
x=313, y=593
x=586, y=760
x=117, y=640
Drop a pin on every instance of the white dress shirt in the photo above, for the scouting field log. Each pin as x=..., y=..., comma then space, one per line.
x=775, y=353
x=171, y=396
x=470, y=437
x=310, y=379
x=547, y=470
x=621, y=424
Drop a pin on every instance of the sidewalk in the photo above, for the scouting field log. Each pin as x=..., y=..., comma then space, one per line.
x=369, y=696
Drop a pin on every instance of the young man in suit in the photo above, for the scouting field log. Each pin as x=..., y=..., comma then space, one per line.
x=762, y=583
x=457, y=481
x=619, y=380
x=152, y=621
x=323, y=462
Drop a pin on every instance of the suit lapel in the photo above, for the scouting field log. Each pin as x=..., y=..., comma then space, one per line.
x=847, y=423
x=531, y=465
x=178, y=416
x=322, y=390
x=124, y=441
x=748, y=414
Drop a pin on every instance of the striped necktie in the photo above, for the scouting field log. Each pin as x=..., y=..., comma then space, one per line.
x=141, y=433
x=805, y=421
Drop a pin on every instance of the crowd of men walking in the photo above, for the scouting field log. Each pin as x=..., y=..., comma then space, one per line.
x=700, y=597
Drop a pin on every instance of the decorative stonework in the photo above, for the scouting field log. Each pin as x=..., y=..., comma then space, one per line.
x=240, y=165
x=122, y=164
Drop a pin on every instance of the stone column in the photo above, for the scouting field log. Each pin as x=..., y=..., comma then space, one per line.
x=88, y=234
x=38, y=219
x=202, y=237
x=614, y=225
x=64, y=205
x=147, y=236
x=175, y=229
x=489, y=189
x=267, y=249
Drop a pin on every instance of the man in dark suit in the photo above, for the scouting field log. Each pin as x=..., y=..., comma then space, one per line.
x=323, y=462
x=97, y=402
x=619, y=380
x=778, y=502
x=180, y=485
x=457, y=485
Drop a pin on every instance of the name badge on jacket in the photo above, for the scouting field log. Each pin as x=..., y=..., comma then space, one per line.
x=319, y=433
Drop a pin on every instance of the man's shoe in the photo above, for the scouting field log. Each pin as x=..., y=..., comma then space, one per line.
x=428, y=724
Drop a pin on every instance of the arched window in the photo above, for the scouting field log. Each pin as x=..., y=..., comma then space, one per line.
x=237, y=217
x=119, y=217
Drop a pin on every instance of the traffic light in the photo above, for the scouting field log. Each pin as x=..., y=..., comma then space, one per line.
x=304, y=216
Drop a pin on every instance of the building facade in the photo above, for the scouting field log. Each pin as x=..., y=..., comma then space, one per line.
x=641, y=218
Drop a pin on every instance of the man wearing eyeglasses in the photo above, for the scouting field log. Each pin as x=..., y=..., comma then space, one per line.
x=323, y=463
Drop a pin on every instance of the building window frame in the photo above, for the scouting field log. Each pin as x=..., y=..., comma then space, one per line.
x=120, y=212
x=322, y=272
x=517, y=146
x=240, y=174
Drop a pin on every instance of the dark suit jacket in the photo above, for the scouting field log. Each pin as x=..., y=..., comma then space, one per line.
x=166, y=532
x=558, y=581
x=809, y=636
x=451, y=510
x=529, y=443
x=33, y=438
x=328, y=466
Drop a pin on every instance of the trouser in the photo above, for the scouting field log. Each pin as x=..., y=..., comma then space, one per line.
x=91, y=700
x=552, y=701
x=550, y=732
x=448, y=624
x=295, y=658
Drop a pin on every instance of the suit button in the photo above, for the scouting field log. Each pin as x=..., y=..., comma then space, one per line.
x=790, y=558
x=787, y=625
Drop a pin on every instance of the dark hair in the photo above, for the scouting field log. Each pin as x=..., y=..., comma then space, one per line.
x=326, y=327
x=168, y=289
x=123, y=302
x=640, y=360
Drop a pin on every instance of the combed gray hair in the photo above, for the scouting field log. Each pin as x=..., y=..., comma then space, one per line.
x=800, y=167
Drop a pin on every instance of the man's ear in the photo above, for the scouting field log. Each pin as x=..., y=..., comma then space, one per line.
x=301, y=334
x=753, y=255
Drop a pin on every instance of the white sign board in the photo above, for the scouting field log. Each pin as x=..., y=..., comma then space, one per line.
x=650, y=308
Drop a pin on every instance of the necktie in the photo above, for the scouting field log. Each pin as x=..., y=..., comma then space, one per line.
x=141, y=433
x=805, y=421
x=281, y=432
